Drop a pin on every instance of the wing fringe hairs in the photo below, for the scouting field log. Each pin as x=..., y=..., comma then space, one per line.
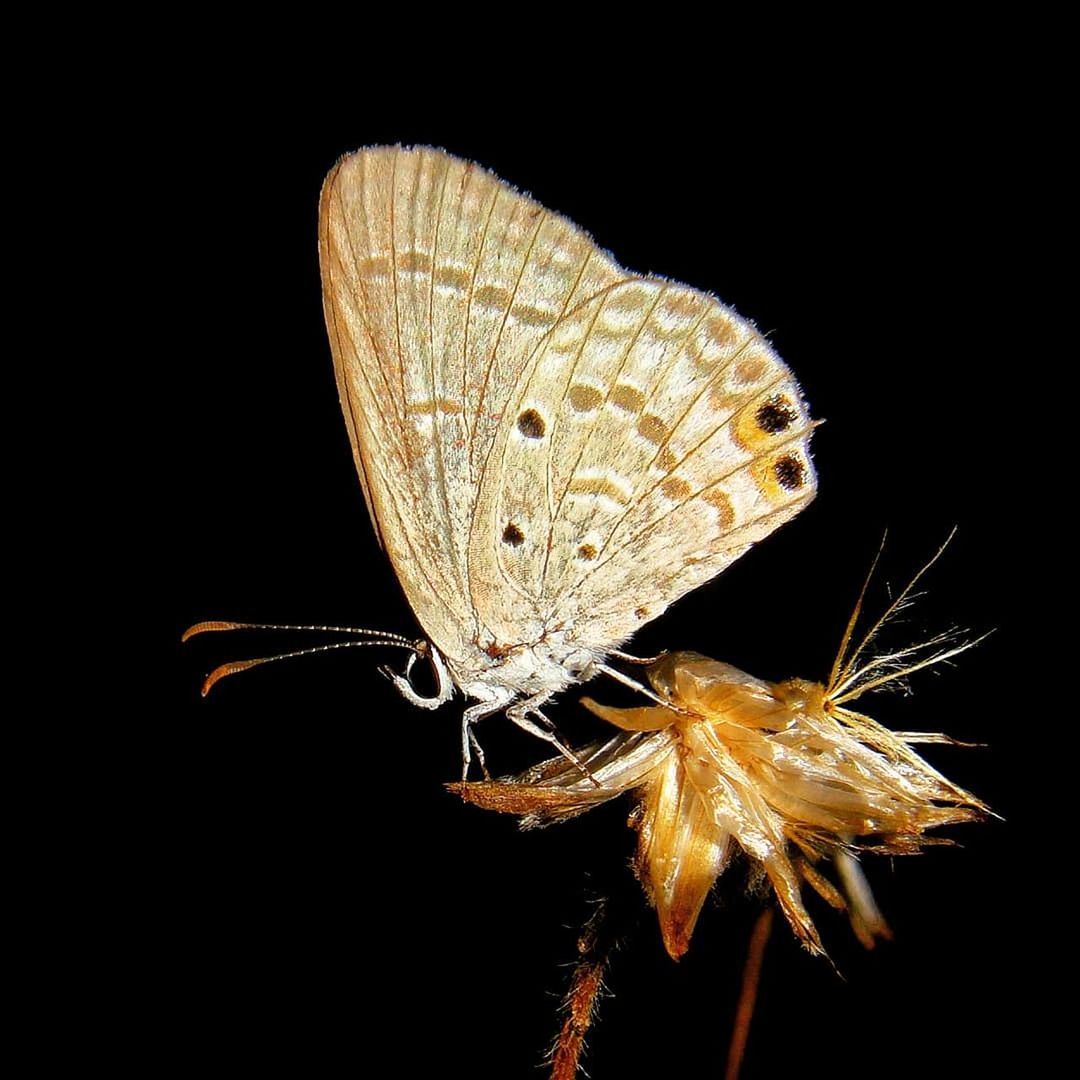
x=787, y=772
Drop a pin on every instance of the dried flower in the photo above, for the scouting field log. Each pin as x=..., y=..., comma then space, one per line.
x=787, y=771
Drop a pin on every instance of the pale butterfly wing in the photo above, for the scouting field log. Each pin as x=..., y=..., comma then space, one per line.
x=552, y=449
x=672, y=439
x=439, y=282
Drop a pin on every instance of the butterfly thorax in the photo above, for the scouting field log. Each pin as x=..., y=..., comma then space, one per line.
x=506, y=671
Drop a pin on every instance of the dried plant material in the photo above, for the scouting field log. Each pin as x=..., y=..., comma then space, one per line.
x=787, y=772
x=755, y=955
x=594, y=945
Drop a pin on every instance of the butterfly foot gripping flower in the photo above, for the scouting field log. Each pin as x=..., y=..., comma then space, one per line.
x=785, y=772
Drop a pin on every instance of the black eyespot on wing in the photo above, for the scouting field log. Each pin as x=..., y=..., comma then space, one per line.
x=513, y=536
x=531, y=424
x=790, y=472
x=776, y=415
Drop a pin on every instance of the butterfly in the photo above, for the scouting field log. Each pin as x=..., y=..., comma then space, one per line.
x=552, y=449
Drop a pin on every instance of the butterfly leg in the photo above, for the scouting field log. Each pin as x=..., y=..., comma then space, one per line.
x=469, y=742
x=641, y=688
x=519, y=714
x=629, y=659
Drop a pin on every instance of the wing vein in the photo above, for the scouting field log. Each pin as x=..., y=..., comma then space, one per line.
x=548, y=478
x=365, y=303
x=506, y=315
x=794, y=437
x=394, y=280
x=706, y=386
x=471, y=434
x=587, y=442
x=587, y=523
x=435, y=381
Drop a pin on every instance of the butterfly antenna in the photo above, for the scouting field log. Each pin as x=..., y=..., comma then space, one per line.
x=381, y=635
x=418, y=647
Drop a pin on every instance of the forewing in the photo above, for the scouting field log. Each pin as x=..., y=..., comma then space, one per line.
x=439, y=282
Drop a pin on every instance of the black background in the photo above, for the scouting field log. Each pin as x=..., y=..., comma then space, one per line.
x=309, y=896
